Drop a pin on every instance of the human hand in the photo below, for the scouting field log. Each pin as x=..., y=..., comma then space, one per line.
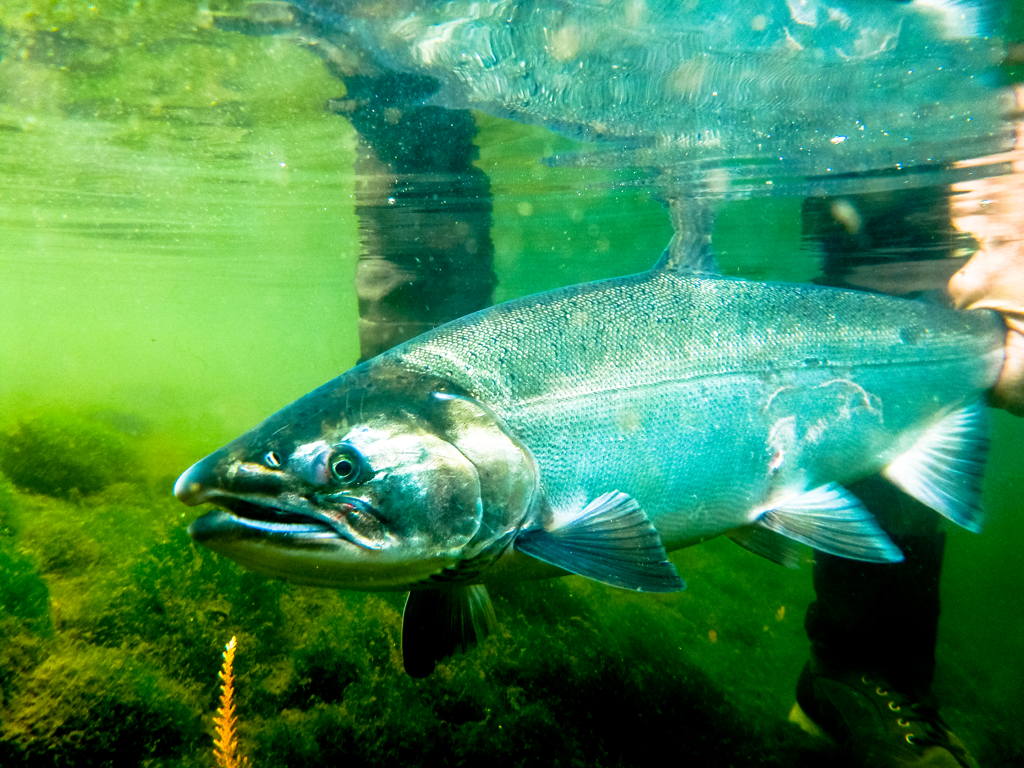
x=992, y=210
x=994, y=279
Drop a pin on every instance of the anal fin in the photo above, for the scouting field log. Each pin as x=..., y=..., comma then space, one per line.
x=944, y=468
x=768, y=544
x=831, y=520
x=611, y=541
x=438, y=623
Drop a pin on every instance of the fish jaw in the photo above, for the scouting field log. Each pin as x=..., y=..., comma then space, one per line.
x=304, y=547
x=308, y=553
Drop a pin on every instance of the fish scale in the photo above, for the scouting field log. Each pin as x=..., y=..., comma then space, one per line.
x=657, y=327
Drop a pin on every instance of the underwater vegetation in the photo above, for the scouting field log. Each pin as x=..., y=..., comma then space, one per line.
x=113, y=623
x=87, y=455
x=225, y=746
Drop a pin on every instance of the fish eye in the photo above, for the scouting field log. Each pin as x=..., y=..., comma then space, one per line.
x=346, y=464
x=272, y=459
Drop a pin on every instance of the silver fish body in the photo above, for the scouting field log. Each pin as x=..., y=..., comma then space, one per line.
x=593, y=428
x=711, y=400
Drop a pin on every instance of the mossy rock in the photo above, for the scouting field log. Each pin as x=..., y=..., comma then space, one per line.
x=63, y=547
x=56, y=454
x=10, y=511
x=8, y=505
x=556, y=685
x=87, y=705
x=20, y=651
x=25, y=622
x=23, y=594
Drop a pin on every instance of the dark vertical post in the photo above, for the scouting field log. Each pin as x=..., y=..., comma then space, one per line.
x=424, y=211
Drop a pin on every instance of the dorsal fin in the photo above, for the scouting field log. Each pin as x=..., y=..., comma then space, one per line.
x=689, y=251
x=695, y=259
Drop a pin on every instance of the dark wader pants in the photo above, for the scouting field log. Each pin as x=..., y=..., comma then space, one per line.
x=881, y=619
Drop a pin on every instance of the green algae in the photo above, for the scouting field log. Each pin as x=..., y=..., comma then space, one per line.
x=24, y=597
x=57, y=455
x=90, y=705
x=25, y=621
x=555, y=686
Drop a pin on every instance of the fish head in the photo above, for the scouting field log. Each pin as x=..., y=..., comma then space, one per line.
x=379, y=480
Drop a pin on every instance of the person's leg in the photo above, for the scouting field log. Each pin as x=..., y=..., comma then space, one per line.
x=872, y=635
x=882, y=617
x=424, y=213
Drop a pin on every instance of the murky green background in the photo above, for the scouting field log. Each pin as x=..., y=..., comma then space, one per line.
x=177, y=251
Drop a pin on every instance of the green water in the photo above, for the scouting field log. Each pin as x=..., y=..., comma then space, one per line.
x=178, y=243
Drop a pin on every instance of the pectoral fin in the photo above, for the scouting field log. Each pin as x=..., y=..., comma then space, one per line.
x=831, y=520
x=944, y=467
x=611, y=541
x=438, y=623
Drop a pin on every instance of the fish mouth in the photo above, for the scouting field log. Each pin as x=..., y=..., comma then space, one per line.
x=262, y=512
x=289, y=545
x=246, y=519
x=257, y=510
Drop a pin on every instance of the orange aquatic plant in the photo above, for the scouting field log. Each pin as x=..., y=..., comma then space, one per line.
x=225, y=746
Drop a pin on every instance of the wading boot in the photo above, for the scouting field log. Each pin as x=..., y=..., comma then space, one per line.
x=883, y=618
x=877, y=725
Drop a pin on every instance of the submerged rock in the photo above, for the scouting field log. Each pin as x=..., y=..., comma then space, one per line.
x=87, y=705
x=53, y=454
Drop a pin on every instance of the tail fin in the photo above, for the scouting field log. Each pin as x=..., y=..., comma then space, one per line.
x=944, y=467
